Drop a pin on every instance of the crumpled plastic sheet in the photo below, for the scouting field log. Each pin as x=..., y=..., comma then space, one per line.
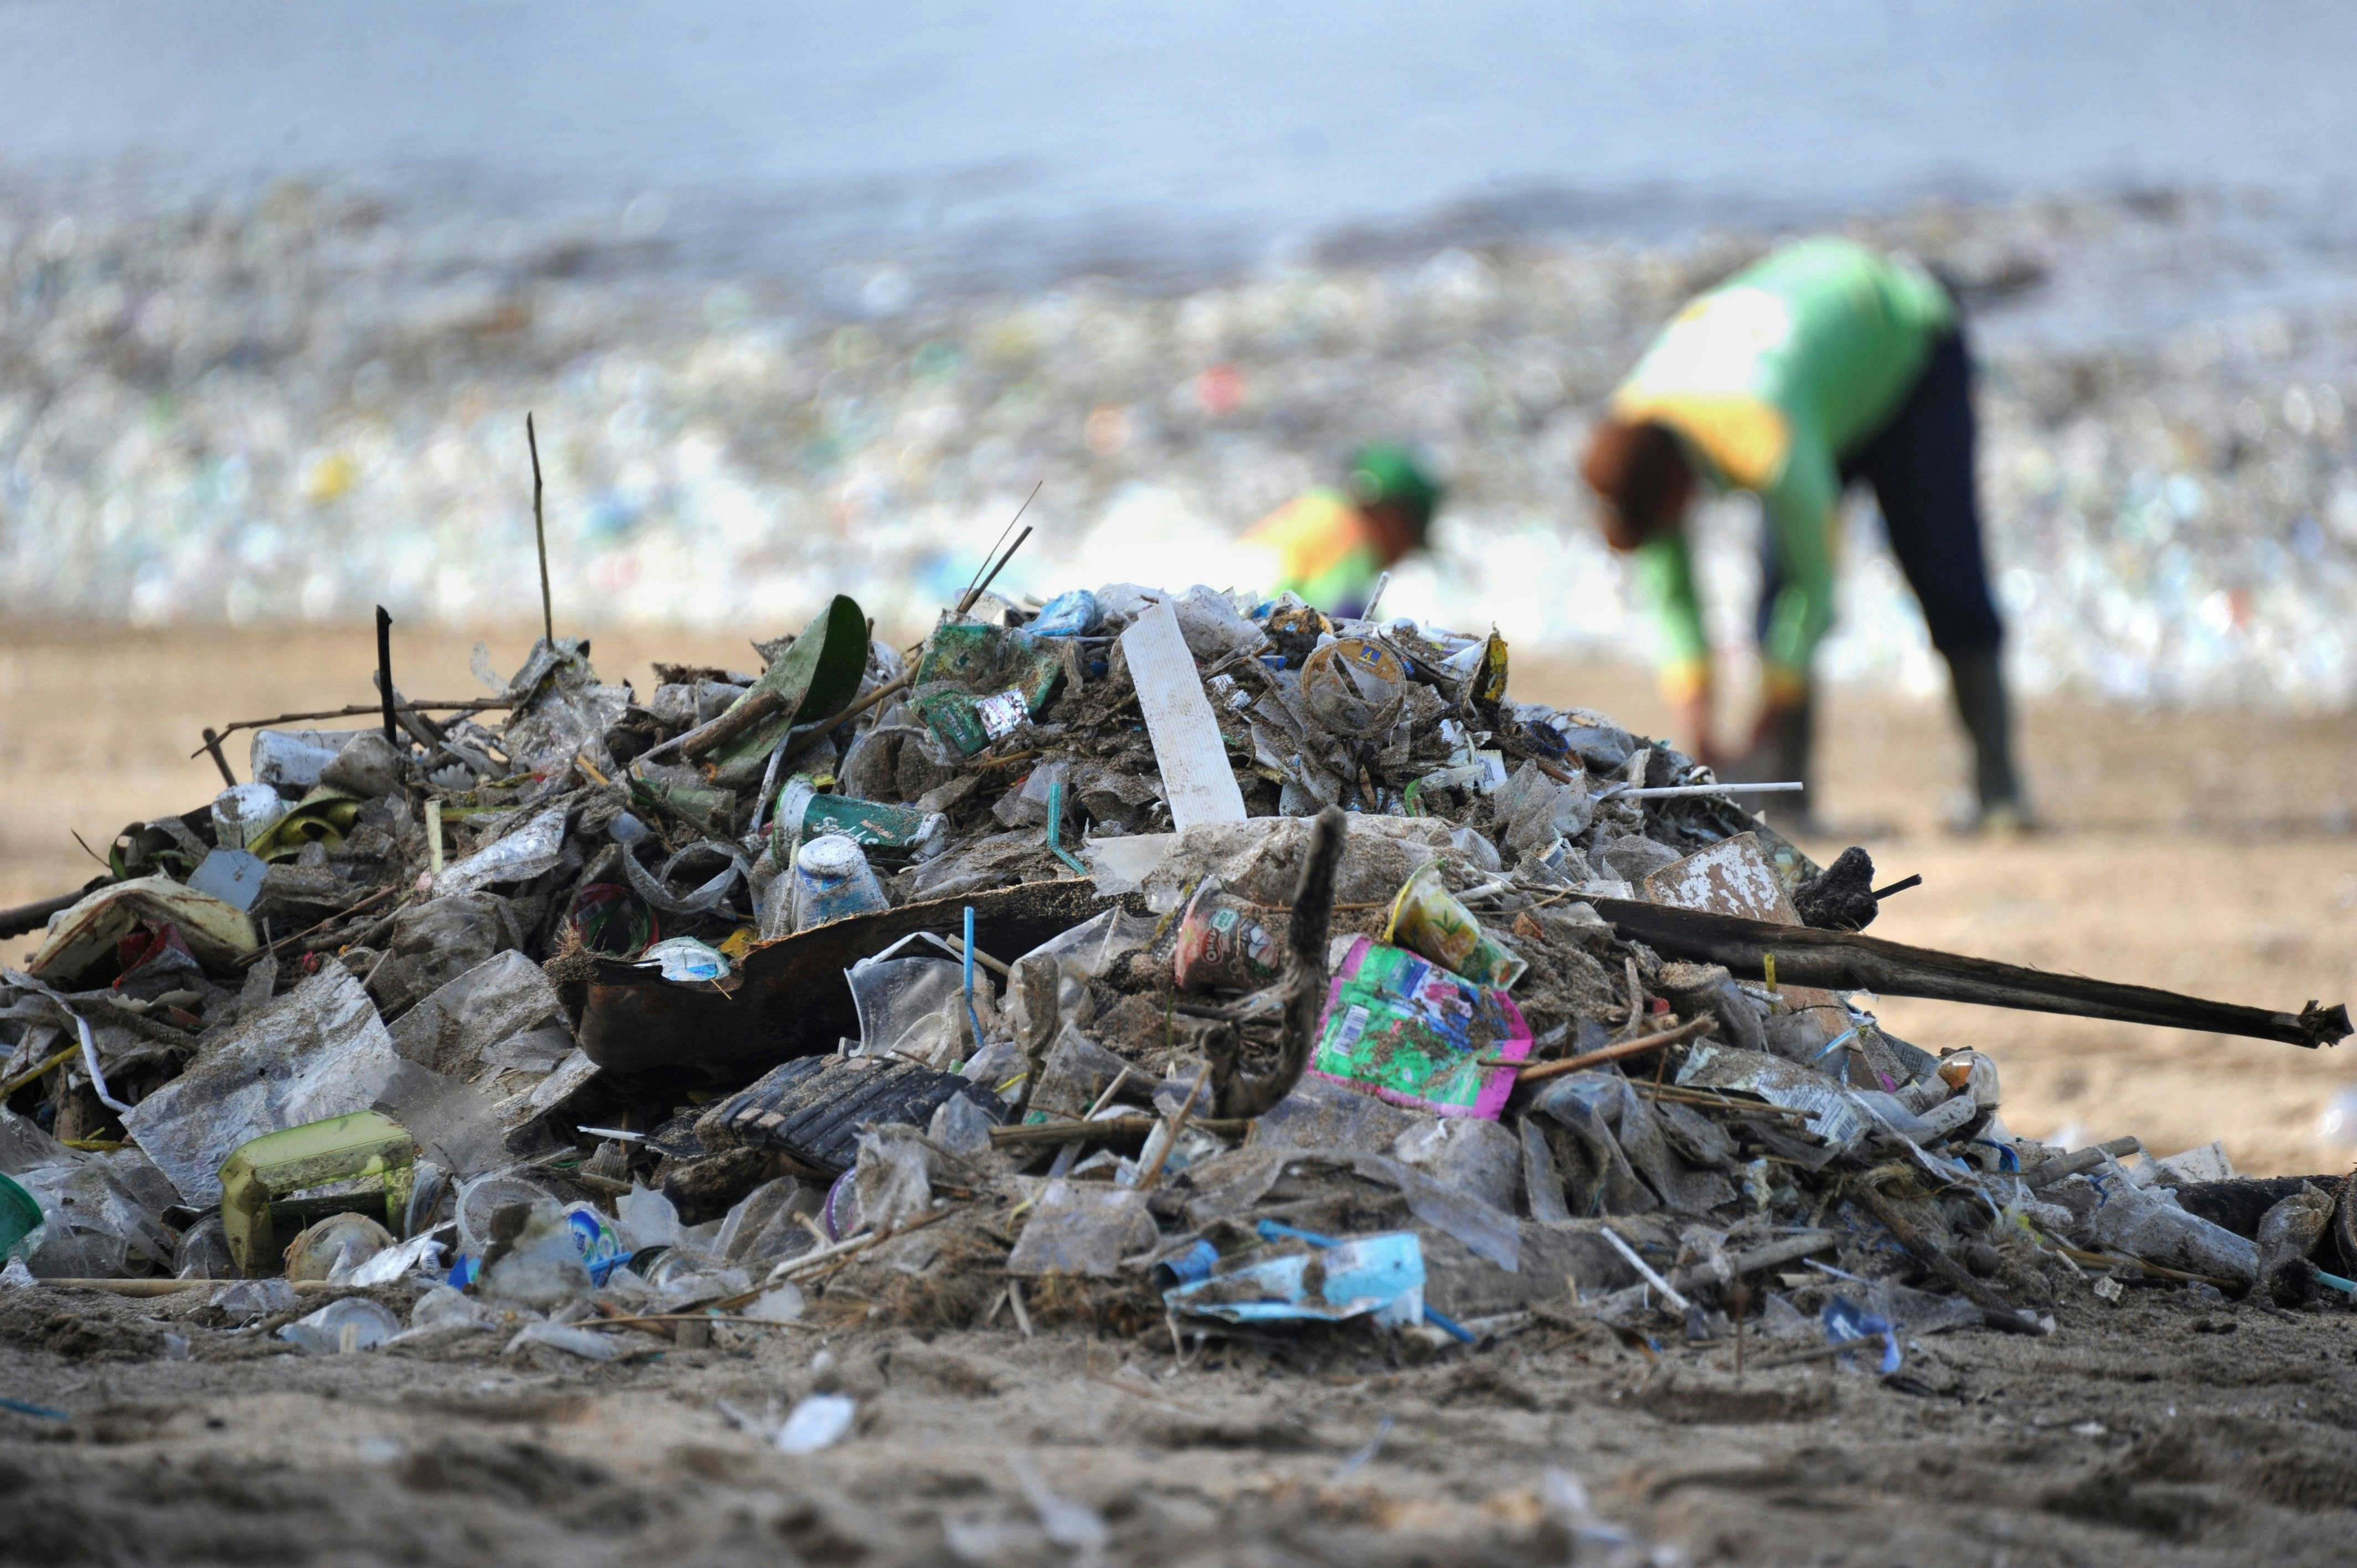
x=1084, y=1228
x=322, y=1332
x=1621, y=1136
x=455, y=1027
x=318, y=1051
x=1232, y=1183
x=893, y=1178
x=585, y=1343
x=522, y=855
x=914, y=1007
x=100, y=1211
x=437, y=941
x=565, y=708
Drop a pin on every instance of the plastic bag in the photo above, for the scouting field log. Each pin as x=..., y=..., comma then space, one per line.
x=1084, y=1228
x=1050, y=984
x=911, y=1006
x=318, y=1051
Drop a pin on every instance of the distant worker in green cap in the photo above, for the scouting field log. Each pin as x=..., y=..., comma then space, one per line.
x=1821, y=365
x=1331, y=546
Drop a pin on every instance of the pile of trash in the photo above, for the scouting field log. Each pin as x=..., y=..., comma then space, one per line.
x=1133, y=958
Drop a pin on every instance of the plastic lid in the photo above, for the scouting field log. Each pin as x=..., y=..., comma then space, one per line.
x=831, y=856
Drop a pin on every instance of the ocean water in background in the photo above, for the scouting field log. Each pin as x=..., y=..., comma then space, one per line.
x=1016, y=144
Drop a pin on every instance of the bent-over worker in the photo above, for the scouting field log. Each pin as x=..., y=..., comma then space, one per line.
x=1825, y=363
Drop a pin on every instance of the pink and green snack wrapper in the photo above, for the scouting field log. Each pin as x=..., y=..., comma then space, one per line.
x=1402, y=1028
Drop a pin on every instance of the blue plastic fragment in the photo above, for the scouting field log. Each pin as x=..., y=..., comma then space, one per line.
x=1184, y=1268
x=1844, y=1320
x=1071, y=614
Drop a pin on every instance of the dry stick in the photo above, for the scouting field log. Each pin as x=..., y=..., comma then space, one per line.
x=29, y=1074
x=1785, y=1250
x=859, y=1243
x=1105, y=1128
x=1693, y=1029
x=1002, y=537
x=26, y=917
x=982, y=587
x=1951, y=1273
x=355, y=908
x=174, y=1287
x=1234, y=1091
x=760, y=705
x=689, y=1317
x=1146, y=1179
x=384, y=673
x=212, y=745
x=355, y=710
x=1644, y=1270
x=540, y=534
x=2106, y=1259
x=976, y=590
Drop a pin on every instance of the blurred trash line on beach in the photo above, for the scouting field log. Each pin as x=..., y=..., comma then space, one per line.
x=285, y=411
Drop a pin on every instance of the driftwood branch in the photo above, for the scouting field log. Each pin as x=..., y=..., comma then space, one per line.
x=1842, y=960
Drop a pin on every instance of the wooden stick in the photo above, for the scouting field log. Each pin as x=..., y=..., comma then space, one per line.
x=174, y=1287
x=353, y=711
x=352, y=909
x=1845, y=961
x=1106, y=1129
x=966, y=603
x=29, y=1074
x=385, y=675
x=540, y=534
x=976, y=590
x=969, y=583
x=1177, y=1124
x=1693, y=1029
x=26, y=917
x=1950, y=1273
x=859, y=1243
x=212, y=745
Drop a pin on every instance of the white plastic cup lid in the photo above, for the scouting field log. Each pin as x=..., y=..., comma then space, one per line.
x=832, y=855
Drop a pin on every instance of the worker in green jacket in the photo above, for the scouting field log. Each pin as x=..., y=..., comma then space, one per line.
x=1825, y=363
x=1332, y=546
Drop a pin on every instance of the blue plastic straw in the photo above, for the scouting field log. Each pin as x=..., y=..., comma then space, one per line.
x=1056, y=827
x=973, y=1020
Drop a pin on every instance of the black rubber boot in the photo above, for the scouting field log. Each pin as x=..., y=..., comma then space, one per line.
x=1988, y=719
x=1785, y=752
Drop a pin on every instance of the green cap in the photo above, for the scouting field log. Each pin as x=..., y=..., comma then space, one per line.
x=1385, y=471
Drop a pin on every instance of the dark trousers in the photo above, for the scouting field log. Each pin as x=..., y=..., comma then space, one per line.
x=1921, y=464
x=1922, y=468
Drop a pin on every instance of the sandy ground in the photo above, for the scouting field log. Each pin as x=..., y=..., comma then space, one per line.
x=2211, y=852
x=2163, y=1431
